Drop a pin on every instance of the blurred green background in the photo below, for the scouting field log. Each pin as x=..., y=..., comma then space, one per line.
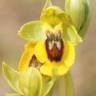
x=14, y=13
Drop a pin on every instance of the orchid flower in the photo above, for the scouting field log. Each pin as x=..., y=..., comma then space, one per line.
x=52, y=41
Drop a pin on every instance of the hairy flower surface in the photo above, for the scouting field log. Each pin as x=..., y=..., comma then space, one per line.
x=53, y=39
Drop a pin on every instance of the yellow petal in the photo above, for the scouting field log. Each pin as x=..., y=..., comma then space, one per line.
x=40, y=52
x=26, y=56
x=69, y=54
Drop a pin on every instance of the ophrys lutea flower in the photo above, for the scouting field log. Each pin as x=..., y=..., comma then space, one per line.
x=52, y=42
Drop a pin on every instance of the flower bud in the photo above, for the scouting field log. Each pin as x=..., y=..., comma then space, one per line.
x=79, y=11
x=31, y=82
x=27, y=83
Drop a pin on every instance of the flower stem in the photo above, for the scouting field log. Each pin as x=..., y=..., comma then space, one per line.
x=65, y=86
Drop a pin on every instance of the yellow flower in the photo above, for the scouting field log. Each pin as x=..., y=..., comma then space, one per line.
x=49, y=64
x=55, y=38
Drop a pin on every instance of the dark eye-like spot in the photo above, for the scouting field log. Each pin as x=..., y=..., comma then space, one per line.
x=56, y=52
x=34, y=62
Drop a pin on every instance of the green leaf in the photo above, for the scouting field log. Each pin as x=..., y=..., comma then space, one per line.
x=31, y=82
x=32, y=31
x=72, y=35
x=65, y=87
x=79, y=11
x=12, y=77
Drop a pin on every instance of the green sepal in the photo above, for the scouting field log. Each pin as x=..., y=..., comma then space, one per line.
x=48, y=87
x=53, y=16
x=31, y=82
x=32, y=31
x=71, y=34
x=28, y=83
x=79, y=11
x=12, y=77
x=48, y=3
x=87, y=19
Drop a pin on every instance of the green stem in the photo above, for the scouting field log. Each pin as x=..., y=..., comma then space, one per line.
x=48, y=90
x=50, y=93
x=65, y=86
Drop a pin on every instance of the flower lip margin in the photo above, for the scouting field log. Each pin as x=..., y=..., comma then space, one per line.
x=48, y=66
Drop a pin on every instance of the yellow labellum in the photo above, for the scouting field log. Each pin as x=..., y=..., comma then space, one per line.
x=26, y=57
x=49, y=67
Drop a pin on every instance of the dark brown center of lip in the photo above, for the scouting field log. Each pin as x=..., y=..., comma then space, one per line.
x=55, y=53
x=34, y=62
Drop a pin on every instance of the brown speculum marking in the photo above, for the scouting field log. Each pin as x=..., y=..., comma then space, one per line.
x=54, y=46
x=34, y=62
